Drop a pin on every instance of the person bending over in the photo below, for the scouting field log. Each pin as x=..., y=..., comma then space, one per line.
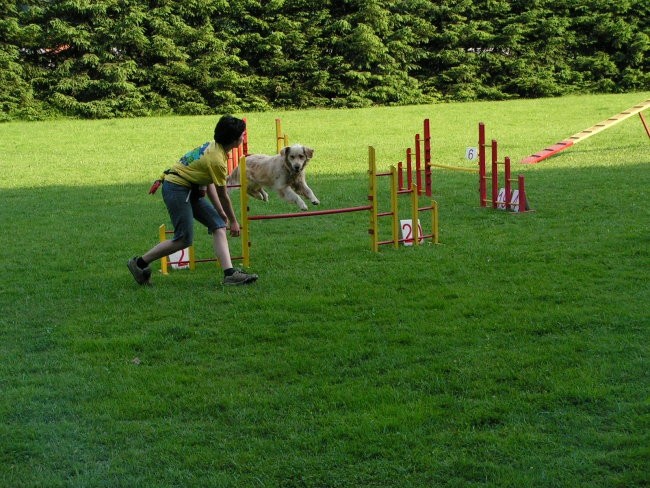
x=184, y=186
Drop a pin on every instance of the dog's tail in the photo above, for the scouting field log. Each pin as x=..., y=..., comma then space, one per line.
x=233, y=179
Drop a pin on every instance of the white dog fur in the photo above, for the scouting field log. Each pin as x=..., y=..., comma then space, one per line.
x=284, y=172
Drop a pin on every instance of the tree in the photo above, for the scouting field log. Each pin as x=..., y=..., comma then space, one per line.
x=116, y=58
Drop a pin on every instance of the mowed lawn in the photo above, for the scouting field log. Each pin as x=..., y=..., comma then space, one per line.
x=514, y=353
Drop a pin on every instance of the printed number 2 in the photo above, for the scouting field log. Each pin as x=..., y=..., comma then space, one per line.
x=407, y=232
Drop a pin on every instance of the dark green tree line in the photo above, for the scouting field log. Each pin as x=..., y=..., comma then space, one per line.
x=116, y=58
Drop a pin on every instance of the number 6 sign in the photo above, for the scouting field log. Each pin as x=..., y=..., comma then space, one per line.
x=407, y=232
x=471, y=153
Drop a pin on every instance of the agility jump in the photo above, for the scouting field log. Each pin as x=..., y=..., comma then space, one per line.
x=582, y=135
x=372, y=208
x=506, y=198
x=419, y=161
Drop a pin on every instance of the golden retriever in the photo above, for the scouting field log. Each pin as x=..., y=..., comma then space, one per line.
x=284, y=172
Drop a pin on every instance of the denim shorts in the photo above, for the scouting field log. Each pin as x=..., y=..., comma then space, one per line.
x=184, y=206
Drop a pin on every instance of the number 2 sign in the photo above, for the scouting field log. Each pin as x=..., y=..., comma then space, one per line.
x=407, y=232
x=180, y=259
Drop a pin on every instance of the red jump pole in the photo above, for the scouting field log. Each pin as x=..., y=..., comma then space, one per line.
x=409, y=168
x=495, y=175
x=400, y=176
x=427, y=157
x=244, y=146
x=481, y=165
x=310, y=214
x=523, y=203
x=418, y=165
x=508, y=195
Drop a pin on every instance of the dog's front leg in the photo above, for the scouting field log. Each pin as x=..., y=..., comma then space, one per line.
x=310, y=194
x=291, y=196
x=302, y=188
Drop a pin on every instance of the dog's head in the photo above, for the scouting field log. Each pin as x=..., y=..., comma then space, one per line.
x=296, y=157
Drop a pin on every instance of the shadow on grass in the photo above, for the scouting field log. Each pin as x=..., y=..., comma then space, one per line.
x=515, y=334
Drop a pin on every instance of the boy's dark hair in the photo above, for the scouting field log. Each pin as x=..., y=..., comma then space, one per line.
x=228, y=130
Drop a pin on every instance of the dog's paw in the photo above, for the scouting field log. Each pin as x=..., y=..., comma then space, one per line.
x=315, y=202
x=302, y=207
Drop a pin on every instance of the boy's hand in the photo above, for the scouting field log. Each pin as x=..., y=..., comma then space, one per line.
x=234, y=229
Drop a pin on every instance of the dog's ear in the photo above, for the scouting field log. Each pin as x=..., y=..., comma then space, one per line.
x=309, y=152
x=283, y=151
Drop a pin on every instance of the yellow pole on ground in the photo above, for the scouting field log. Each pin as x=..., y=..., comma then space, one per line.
x=414, y=214
x=372, y=196
x=244, y=224
x=162, y=236
x=434, y=221
x=393, y=205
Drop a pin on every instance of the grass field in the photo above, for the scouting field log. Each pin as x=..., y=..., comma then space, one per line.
x=515, y=353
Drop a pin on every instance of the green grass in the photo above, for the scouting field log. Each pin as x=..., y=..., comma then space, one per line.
x=512, y=354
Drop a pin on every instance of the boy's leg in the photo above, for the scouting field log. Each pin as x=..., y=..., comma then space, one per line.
x=205, y=213
x=221, y=248
x=164, y=248
x=180, y=212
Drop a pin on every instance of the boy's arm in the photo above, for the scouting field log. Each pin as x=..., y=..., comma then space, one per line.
x=214, y=198
x=226, y=204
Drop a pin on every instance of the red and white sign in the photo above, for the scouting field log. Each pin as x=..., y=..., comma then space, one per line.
x=407, y=232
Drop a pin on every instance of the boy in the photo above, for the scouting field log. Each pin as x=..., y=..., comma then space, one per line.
x=183, y=192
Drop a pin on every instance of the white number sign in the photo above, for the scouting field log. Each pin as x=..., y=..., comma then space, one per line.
x=180, y=259
x=407, y=232
x=514, y=200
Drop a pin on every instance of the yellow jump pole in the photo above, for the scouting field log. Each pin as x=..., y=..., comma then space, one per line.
x=393, y=205
x=434, y=221
x=279, y=138
x=162, y=236
x=192, y=258
x=414, y=214
x=372, y=196
x=244, y=224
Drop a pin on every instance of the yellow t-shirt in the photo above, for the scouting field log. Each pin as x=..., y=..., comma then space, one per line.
x=201, y=166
